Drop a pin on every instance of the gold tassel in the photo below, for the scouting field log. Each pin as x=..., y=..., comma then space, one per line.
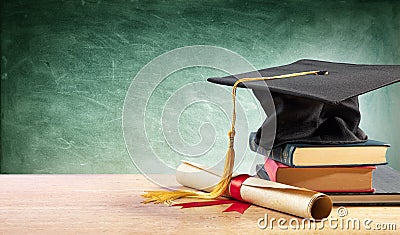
x=169, y=196
x=166, y=196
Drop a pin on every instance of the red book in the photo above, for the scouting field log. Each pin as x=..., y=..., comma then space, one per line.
x=322, y=179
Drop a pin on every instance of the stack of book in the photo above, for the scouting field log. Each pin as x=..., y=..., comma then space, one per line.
x=338, y=170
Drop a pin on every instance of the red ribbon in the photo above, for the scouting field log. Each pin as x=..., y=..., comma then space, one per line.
x=234, y=192
x=236, y=184
x=237, y=206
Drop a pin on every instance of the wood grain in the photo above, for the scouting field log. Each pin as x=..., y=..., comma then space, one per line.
x=110, y=204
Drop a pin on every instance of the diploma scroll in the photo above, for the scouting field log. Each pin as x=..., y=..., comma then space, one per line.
x=285, y=198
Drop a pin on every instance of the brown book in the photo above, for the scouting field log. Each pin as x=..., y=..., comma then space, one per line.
x=323, y=179
x=385, y=180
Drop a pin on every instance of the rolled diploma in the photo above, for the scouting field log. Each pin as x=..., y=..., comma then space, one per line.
x=281, y=197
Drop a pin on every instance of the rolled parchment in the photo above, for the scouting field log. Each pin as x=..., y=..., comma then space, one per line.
x=281, y=197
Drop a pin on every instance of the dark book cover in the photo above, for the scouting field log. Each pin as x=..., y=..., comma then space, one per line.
x=284, y=153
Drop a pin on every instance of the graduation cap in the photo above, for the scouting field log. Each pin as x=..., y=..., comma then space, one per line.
x=316, y=102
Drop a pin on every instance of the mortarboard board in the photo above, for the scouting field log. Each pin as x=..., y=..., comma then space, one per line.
x=314, y=109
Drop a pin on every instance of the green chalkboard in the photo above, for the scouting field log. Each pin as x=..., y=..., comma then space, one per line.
x=66, y=67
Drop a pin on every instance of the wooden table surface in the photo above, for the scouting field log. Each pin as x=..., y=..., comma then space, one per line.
x=110, y=204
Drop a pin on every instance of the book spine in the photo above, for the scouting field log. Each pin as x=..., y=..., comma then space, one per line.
x=284, y=154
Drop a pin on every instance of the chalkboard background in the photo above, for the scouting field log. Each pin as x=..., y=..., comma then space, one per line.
x=66, y=67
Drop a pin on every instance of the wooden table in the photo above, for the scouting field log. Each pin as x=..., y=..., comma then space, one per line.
x=93, y=204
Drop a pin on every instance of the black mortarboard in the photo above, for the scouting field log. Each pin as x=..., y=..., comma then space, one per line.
x=314, y=108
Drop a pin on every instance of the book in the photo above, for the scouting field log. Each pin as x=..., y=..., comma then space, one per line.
x=322, y=179
x=371, y=152
x=385, y=181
